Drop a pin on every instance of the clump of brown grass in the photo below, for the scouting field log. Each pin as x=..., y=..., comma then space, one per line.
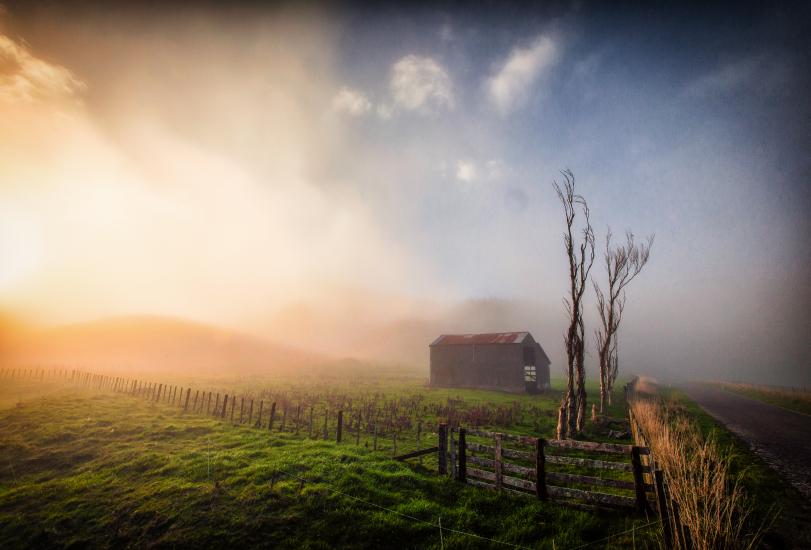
x=710, y=509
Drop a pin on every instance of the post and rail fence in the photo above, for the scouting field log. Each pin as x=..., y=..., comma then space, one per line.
x=538, y=467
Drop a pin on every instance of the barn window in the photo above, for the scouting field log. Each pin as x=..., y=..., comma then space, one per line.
x=530, y=374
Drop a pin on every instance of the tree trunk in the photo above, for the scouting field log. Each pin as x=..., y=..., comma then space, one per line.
x=571, y=408
x=581, y=386
x=581, y=409
x=560, y=431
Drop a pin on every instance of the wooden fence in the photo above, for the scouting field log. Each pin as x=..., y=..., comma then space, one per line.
x=545, y=468
x=283, y=416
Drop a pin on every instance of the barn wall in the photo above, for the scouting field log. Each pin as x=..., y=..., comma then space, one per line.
x=541, y=364
x=493, y=366
x=542, y=368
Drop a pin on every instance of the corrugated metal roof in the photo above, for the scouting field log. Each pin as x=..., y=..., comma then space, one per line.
x=491, y=338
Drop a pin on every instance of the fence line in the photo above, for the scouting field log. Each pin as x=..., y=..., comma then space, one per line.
x=283, y=416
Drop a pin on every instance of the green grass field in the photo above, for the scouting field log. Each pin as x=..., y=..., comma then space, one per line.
x=88, y=468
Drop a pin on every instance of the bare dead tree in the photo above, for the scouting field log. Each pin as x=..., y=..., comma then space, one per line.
x=581, y=258
x=623, y=263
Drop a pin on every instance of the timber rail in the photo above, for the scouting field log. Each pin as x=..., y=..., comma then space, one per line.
x=543, y=468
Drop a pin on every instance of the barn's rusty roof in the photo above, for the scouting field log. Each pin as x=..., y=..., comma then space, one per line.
x=491, y=338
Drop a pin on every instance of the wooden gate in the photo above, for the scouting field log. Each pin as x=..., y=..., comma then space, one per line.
x=562, y=470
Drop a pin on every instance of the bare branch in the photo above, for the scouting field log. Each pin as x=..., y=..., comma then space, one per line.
x=623, y=264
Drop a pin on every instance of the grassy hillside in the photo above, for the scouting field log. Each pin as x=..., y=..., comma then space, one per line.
x=91, y=468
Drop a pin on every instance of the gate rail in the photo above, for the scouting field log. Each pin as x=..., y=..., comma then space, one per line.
x=544, y=468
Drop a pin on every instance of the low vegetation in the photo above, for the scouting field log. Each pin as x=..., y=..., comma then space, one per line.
x=795, y=399
x=726, y=495
x=771, y=496
x=711, y=508
x=90, y=468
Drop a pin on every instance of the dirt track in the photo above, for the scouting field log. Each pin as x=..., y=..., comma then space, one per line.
x=781, y=437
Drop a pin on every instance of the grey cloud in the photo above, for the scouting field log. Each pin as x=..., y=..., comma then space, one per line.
x=763, y=74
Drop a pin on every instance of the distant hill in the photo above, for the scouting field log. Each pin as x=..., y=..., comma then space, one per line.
x=152, y=343
x=408, y=339
x=364, y=329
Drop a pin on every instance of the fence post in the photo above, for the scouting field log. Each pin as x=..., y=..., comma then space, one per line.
x=498, y=462
x=461, y=470
x=663, y=512
x=540, y=470
x=250, y=413
x=419, y=432
x=259, y=418
x=241, y=409
x=272, y=416
x=639, y=482
x=298, y=414
x=340, y=431
x=452, y=454
x=224, y=405
x=443, y=449
x=357, y=431
x=186, y=404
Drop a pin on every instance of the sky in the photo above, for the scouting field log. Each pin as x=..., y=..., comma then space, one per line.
x=349, y=167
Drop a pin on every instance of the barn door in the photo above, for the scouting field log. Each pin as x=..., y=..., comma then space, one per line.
x=530, y=371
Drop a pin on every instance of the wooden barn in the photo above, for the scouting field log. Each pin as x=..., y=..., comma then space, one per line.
x=508, y=361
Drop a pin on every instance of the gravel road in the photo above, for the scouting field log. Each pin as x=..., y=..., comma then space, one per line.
x=781, y=437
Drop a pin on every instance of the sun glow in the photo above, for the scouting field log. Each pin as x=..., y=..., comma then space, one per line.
x=180, y=181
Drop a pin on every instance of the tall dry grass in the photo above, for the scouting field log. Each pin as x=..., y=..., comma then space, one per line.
x=710, y=502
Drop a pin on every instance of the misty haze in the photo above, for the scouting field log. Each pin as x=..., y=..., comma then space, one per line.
x=329, y=275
